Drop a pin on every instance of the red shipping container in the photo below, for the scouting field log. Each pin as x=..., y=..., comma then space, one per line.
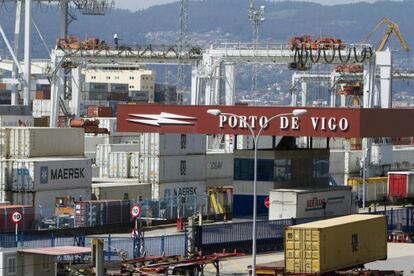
x=6, y=222
x=98, y=111
x=401, y=184
x=3, y=86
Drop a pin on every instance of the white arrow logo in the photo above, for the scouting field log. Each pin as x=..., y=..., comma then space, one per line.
x=161, y=119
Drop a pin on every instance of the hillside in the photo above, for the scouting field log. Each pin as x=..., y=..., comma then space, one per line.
x=226, y=19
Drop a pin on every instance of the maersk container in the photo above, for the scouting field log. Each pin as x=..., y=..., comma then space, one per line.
x=172, y=144
x=219, y=165
x=178, y=189
x=22, y=142
x=103, y=151
x=119, y=164
x=296, y=203
x=340, y=243
x=401, y=184
x=43, y=174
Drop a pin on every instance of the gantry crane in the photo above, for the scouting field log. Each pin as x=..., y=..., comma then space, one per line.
x=392, y=28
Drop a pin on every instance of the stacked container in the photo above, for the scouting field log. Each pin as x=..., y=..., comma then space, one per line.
x=40, y=164
x=102, y=212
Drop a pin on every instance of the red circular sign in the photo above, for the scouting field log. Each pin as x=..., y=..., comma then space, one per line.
x=135, y=211
x=267, y=202
x=16, y=217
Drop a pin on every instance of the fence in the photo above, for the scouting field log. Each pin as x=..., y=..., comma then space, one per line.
x=114, y=246
x=208, y=238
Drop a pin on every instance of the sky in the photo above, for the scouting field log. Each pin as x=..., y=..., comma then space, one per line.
x=142, y=4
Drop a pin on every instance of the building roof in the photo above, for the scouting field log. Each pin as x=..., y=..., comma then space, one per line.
x=57, y=251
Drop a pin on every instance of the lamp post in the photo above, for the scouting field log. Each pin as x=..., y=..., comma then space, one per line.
x=255, y=136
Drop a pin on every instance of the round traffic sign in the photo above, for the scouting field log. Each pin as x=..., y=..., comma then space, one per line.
x=267, y=202
x=135, y=211
x=16, y=217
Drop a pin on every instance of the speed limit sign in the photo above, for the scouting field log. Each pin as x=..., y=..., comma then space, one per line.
x=135, y=211
x=16, y=217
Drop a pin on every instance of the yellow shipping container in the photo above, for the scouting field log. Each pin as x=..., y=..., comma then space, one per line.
x=334, y=244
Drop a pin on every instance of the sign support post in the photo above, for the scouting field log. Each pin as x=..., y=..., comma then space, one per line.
x=16, y=217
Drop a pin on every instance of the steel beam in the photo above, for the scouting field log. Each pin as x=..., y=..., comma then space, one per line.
x=27, y=51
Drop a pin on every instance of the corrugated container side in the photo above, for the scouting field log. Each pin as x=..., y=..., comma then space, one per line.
x=316, y=247
x=134, y=167
x=103, y=151
x=101, y=212
x=50, y=174
x=219, y=165
x=178, y=189
x=181, y=168
x=43, y=142
x=119, y=164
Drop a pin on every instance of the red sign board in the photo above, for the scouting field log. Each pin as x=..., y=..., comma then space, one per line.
x=16, y=217
x=317, y=122
x=267, y=202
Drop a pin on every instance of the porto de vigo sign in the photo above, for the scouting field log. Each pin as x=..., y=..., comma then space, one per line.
x=317, y=122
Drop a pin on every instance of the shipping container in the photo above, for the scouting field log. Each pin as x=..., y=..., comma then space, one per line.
x=6, y=221
x=102, y=212
x=118, y=96
x=172, y=144
x=98, y=111
x=42, y=94
x=16, y=120
x=219, y=165
x=41, y=108
x=334, y=244
x=119, y=165
x=161, y=169
x=43, y=174
x=401, y=184
x=311, y=203
x=178, y=189
x=139, y=96
x=118, y=87
x=103, y=151
x=123, y=189
x=19, y=110
x=22, y=142
x=95, y=87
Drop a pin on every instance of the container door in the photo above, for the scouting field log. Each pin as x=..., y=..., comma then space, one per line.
x=294, y=250
x=398, y=185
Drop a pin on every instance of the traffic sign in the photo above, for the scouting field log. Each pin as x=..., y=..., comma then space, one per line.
x=16, y=217
x=135, y=211
x=267, y=202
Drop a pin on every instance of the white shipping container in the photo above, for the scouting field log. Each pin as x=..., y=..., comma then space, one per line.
x=219, y=165
x=41, y=108
x=16, y=120
x=172, y=144
x=155, y=169
x=291, y=203
x=118, y=166
x=134, y=167
x=43, y=174
x=24, y=142
x=103, y=151
x=92, y=141
x=178, y=189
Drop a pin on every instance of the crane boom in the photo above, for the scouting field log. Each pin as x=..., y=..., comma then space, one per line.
x=392, y=27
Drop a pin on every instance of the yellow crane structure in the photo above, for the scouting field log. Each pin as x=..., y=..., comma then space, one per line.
x=392, y=28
